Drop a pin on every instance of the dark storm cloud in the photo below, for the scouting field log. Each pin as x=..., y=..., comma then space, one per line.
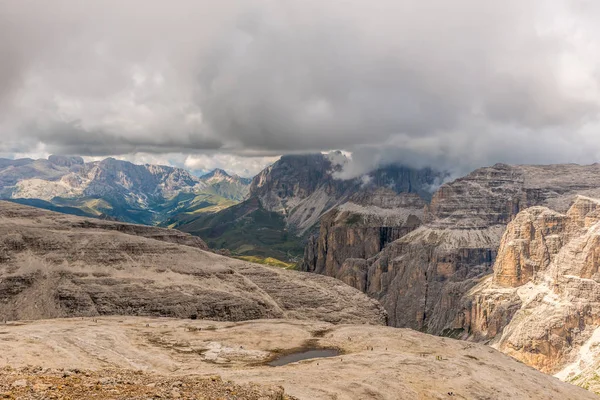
x=449, y=84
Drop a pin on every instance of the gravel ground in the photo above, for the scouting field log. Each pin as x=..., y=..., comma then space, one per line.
x=39, y=383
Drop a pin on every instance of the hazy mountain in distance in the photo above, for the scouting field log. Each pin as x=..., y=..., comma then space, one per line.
x=225, y=185
x=117, y=189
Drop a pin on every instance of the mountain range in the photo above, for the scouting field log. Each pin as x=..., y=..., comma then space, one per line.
x=115, y=189
x=506, y=255
x=287, y=200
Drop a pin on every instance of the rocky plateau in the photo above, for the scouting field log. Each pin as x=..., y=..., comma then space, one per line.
x=170, y=357
x=55, y=265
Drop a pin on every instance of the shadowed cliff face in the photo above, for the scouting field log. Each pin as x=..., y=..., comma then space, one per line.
x=360, y=229
x=55, y=265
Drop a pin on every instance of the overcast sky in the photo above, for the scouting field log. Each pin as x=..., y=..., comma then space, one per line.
x=233, y=84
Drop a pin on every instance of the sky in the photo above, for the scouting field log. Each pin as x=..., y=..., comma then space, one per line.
x=452, y=85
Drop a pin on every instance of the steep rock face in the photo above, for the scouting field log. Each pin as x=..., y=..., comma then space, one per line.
x=528, y=244
x=304, y=187
x=360, y=229
x=55, y=265
x=542, y=304
x=485, y=197
x=494, y=195
x=421, y=277
x=300, y=187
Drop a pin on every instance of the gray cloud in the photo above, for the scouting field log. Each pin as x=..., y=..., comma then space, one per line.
x=453, y=85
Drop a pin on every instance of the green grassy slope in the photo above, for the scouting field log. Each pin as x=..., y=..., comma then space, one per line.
x=246, y=229
x=156, y=212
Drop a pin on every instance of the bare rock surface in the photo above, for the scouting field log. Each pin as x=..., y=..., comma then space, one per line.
x=422, y=275
x=542, y=304
x=32, y=383
x=54, y=265
x=304, y=187
x=360, y=229
x=376, y=362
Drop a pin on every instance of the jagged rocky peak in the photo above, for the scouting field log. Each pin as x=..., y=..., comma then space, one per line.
x=216, y=173
x=114, y=176
x=301, y=188
x=295, y=175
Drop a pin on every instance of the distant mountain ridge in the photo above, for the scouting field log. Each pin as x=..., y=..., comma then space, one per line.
x=288, y=198
x=232, y=187
x=117, y=189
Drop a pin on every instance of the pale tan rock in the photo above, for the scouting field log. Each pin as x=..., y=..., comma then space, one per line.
x=528, y=245
x=543, y=302
x=421, y=277
x=399, y=363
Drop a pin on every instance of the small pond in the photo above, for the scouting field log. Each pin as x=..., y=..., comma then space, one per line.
x=304, y=355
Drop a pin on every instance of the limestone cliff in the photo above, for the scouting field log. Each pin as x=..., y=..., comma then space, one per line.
x=422, y=276
x=360, y=229
x=542, y=304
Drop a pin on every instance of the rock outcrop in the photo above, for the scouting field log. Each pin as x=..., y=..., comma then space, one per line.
x=542, y=304
x=359, y=229
x=421, y=277
x=376, y=362
x=55, y=265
